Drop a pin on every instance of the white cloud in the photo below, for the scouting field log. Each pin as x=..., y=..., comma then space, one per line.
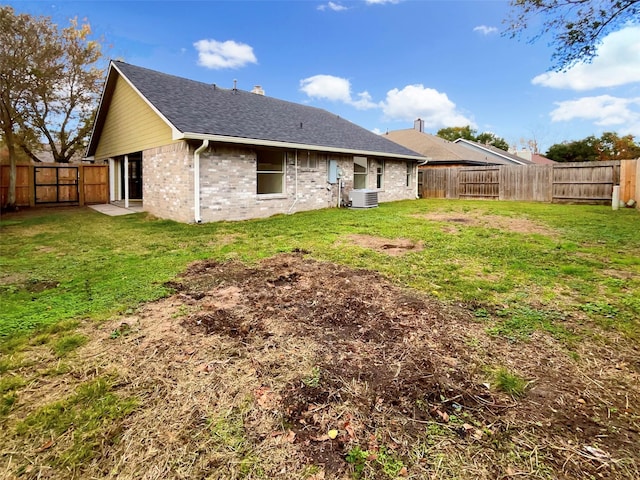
x=617, y=62
x=413, y=101
x=485, y=30
x=603, y=110
x=336, y=7
x=417, y=101
x=217, y=55
x=336, y=89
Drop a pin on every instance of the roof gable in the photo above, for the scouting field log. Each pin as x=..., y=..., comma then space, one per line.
x=198, y=110
x=493, y=151
x=441, y=151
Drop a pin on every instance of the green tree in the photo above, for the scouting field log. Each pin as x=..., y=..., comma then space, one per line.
x=454, y=133
x=609, y=146
x=576, y=27
x=49, y=86
x=576, y=151
x=488, y=138
x=468, y=133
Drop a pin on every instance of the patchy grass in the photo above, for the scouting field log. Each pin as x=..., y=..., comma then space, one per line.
x=551, y=291
x=589, y=257
x=81, y=423
x=68, y=343
x=508, y=382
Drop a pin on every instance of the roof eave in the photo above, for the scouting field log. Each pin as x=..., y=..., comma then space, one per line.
x=293, y=145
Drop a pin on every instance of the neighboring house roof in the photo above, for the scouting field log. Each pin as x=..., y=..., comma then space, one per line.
x=490, y=150
x=541, y=159
x=196, y=110
x=443, y=152
x=535, y=158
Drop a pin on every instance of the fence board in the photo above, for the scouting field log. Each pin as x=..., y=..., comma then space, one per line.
x=96, y=184
x=629, y=180
x=588, y=182
x=22, y=184
x=76, y=184
x=479, y=183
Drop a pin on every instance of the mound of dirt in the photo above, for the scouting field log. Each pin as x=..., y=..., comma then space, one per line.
x=292, y=368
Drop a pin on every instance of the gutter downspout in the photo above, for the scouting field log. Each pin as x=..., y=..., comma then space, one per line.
x=296, y=185
x=418, y=173
x=196, y=180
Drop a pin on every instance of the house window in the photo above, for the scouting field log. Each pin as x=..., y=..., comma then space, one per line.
x=409, y=173
x=380, y=175
x=308, y=160
x=270, y=172
x=359, y=172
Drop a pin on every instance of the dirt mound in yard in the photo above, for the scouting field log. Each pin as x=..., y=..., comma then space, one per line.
x=295, y=368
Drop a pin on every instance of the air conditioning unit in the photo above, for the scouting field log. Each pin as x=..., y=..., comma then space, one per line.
x=363, y=198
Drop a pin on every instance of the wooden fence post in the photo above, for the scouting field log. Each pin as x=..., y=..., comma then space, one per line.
x=81, y=185
x=32, y=185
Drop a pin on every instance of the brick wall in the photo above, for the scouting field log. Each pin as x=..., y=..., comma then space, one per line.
x=228, y=183
x=167, y=176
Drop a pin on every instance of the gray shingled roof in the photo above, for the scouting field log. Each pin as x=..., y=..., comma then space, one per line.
x=200, y=108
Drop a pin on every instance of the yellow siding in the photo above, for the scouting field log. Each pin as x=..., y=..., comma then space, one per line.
x=131, y=125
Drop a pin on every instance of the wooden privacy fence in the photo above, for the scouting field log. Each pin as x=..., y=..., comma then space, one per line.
x=588, y=182
x=57, y=184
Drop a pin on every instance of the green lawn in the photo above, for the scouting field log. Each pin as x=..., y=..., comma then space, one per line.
x=569, y=271
x=584, y=261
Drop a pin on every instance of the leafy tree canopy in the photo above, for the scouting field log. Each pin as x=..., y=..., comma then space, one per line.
x=49, y=86
x=576, y=27
x=468, y=133
x=609, y=146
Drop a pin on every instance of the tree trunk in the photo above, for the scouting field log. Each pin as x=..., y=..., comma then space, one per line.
x=10, y=205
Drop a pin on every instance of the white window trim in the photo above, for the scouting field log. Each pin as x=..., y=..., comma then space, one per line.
x=283, y=172
x=365, y=174
x=380, y=175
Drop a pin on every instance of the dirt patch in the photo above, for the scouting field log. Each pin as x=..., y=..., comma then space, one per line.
x=393, y=247
x=285, y=368
x=517, y=225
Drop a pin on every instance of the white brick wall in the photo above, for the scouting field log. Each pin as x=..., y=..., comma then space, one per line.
x=167, y=176
x=228, y=183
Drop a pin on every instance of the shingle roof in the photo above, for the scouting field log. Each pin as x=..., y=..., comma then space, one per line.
x=441, y=151
x=200, y=108
x=490, y=149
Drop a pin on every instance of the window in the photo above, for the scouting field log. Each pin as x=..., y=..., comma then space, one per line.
x=409, y=173
x=359, y=172
x=380, y=175
x=270, y=172
x=308, y=160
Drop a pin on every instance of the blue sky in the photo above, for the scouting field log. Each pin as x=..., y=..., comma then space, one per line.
x=378, y=63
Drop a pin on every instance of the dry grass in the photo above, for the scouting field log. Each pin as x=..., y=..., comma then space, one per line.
x=246, y=371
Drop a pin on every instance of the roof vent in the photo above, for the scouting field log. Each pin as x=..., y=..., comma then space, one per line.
x=258, y=90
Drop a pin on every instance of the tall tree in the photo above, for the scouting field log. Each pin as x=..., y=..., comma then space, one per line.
x=27, y=47
x=49, y=85
x=576, y=27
